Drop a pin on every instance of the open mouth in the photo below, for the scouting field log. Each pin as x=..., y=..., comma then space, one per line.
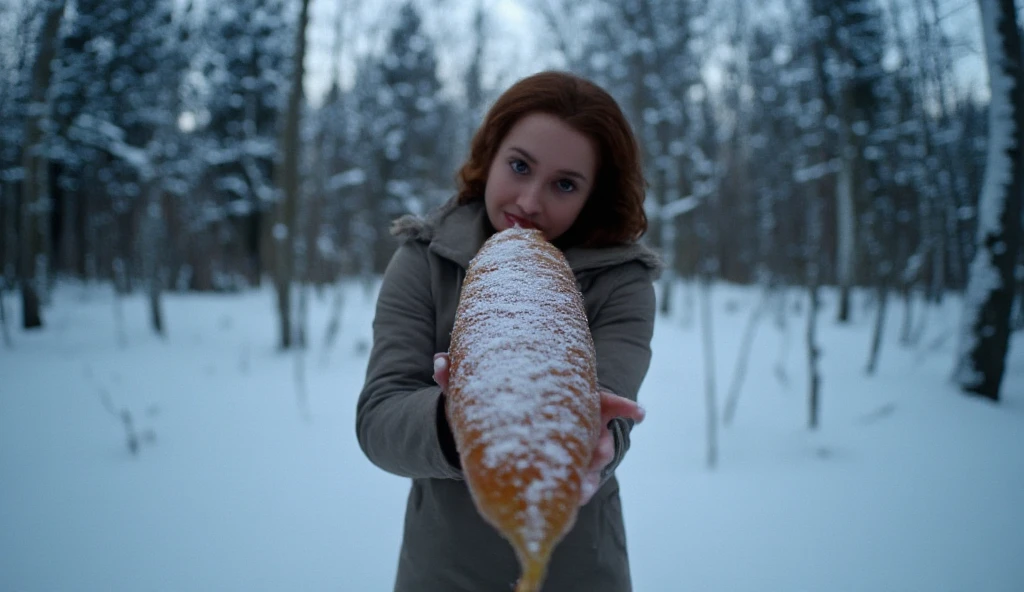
x=517, y=221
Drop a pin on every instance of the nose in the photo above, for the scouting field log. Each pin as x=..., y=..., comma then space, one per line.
x=529, y=200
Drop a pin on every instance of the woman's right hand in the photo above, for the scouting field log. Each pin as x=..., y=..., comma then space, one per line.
x=441, y=371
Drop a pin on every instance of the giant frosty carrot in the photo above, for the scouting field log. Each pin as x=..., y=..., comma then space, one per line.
x=522, y=400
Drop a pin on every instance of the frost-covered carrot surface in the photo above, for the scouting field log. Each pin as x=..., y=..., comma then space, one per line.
x=523, y=401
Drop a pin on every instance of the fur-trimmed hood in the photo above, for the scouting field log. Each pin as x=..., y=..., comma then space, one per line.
x=457, y=232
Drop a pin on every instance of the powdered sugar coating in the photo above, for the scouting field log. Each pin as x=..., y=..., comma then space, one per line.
x=523, y=399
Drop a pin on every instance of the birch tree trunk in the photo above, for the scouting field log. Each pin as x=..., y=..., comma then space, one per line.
x=285, y=227
x=815, y=232
x=813, y=307
x=988, y=299
x=813, y=351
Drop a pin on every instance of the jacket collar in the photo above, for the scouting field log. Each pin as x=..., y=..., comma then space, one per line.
x=457, y=232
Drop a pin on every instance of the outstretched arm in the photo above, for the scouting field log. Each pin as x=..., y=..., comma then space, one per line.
x=622, y=327
x=399, y=416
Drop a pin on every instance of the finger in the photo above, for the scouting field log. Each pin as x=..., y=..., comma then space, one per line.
x=441, y=370
x=613, y=406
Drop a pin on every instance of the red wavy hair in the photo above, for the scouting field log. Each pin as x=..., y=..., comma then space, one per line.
x=614, y=212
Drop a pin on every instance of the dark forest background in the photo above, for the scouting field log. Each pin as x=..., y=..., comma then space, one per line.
x=161, y=145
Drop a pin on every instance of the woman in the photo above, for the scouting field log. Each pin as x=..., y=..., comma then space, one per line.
x=555, y=153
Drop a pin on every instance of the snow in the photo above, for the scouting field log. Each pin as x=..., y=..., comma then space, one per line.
x=349, y=178
x=108, y=136
x=908, y=485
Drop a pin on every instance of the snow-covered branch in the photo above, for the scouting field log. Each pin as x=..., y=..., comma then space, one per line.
x=109, y=138
x=817, y=171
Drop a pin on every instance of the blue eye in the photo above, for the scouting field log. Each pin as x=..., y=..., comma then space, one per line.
x=518, y=166
x=565, y=185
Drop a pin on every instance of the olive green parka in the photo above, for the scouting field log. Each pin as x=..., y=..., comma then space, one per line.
x=447, y=546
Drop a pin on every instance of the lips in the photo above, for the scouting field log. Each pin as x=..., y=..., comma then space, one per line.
x=516, y=220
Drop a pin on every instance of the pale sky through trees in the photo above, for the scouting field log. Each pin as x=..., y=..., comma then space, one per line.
x=520, y=48
x=518, y=37
x=510, y=22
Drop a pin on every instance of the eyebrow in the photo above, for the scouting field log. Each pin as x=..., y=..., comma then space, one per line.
x=566, y=172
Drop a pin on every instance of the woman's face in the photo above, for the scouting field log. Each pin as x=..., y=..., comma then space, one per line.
x=540, y=177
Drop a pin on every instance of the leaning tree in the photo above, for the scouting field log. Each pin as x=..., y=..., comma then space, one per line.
x=988, y=300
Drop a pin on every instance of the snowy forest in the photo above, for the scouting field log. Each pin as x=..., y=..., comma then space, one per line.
x=195, y=201
x=186, y=146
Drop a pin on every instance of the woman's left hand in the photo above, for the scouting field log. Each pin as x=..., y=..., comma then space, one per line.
x=612, y=406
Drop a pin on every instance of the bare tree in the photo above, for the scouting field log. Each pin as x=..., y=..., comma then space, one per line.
x=331, y=153
x=3, y=314
x=35, y=200
x=710, y=393
x=9, y=139
x=743, y=357
x=877, y=332
x=153, y=235
x=285, y=229
x=848, y=56
x=988, y=300
x=813, y=306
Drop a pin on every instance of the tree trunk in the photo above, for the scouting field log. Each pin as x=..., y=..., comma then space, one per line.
x=668, y=250
x=153, y=240
x=9, y=264
x=743, y=357
x=1018, y=317
x=334, y=320
x=814, y=253
x=35, y=200
x=90, y=240
x=285, y=228
x=711, y=398
x=906, y=327
x=119, y=271
x=985, y=333
x=3, y=316
x=813, y=355
x=68, y=256
x=156, y=314
x=876, y=338
x=845, y=229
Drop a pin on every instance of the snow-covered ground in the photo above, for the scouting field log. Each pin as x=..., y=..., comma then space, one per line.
x=245, y=481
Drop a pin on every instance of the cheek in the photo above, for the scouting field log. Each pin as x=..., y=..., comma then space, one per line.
x=492, y=183
x=573, y=209
x=492, y=195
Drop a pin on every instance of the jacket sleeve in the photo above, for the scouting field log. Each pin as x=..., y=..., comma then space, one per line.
x=400, y=420
x=622, y=331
